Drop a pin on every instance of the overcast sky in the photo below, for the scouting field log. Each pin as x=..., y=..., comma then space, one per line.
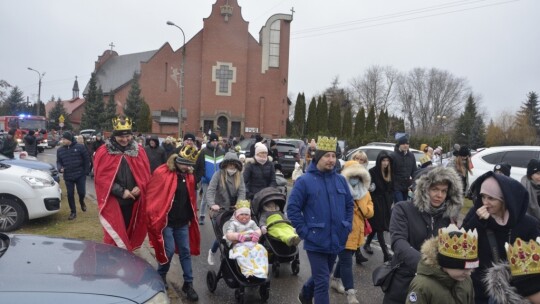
x=494, y=44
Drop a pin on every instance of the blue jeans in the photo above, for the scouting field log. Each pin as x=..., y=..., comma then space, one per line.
x=344, y=269
x=202, y=209
x=317, y=285
x=400, y=196
x=81, y=190
x=180, y=238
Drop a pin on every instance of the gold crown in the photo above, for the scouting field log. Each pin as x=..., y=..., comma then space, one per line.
x=325, y=143
x=524, y=257
x=121, y=124
x=242, y=204
x=189, y=153
x=463, y=247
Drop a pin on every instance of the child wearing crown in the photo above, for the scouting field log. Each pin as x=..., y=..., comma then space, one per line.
x=243, y=234
x=518, y=279
x=444, y=271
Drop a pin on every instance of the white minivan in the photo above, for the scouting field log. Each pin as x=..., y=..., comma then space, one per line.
x=26, y=194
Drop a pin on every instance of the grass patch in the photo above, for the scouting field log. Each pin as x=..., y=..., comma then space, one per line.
x=86, y=226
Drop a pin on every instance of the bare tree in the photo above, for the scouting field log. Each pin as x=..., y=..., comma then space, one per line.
x=375, y=87
x=426, y=96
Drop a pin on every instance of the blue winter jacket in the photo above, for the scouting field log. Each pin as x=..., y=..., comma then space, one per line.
x=320, y=207
x=74, y=159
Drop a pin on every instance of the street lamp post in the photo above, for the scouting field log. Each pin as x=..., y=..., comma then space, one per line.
x=39, y=88
x=181, y=79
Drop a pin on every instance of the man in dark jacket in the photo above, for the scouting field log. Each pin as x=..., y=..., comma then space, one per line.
x=73, y=161
x=30, y=143
x=156, y=154
x=207, y=164
x=9, y=145
x=403, y=167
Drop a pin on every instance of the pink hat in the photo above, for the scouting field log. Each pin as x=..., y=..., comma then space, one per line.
x=491, y=187
x=260, y=148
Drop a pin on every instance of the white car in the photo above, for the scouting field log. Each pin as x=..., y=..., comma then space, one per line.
x=26, y=194
x=517, y=156
x=373, y=150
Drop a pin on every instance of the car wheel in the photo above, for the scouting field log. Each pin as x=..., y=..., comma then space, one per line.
x=11, y=215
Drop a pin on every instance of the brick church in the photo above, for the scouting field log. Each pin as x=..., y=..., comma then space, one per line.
x=233, y=83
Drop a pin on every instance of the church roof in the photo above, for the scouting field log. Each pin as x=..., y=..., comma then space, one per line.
x=70, y=105
x=118, y=70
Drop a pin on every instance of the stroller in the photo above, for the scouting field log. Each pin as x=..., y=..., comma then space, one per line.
x=278, y=252
x=229, y=269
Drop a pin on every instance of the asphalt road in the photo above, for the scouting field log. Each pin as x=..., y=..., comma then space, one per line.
x=284, y=289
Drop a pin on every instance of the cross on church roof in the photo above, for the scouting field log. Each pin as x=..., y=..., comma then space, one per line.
x=292, y=11
x=112, y=46
x=224, y=75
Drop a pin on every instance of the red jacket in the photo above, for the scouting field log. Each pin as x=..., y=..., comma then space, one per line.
x=105, y=169
x=161, y=189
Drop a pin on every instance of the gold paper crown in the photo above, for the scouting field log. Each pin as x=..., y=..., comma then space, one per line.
x=524, y=257
x=242, y=204
x=325, y=143
x=121, y=124
x=189, y=153
x=463, y=247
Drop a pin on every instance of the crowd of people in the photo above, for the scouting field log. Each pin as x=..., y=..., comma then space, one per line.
x=436, y=255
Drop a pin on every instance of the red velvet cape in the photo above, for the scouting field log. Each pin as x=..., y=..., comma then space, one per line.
x=160, y=190
x=105, y=168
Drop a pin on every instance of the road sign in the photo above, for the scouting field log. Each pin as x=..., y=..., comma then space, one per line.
x=61, y=119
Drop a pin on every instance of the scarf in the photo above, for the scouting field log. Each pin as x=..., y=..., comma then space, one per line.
x=534, y=192
x=358, y=191
x=436, y=211
x=261, y=160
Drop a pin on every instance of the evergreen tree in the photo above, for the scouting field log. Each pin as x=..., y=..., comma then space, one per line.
x=371, y=130
x=93, y=106
x=109, y=113
x=360, y=123
x=14, y=104
x=347, y=127
x=311, y=123
x=530, y=112
x=299, y=123
x=134, y=102
x=322, y=115
x=334, y=120
x=382, y=126
x=54, y=116
x=466, y=122
x=477, y=137
x=145, y=118
x=289, y=128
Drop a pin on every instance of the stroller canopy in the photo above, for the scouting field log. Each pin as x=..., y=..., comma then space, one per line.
x=266, y=195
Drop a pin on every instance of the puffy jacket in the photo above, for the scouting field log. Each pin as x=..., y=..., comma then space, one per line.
x=208, y=163
x=403, y=167
x=30, y=145
x=74, y=159
x=156, y=155
x=257, y=176
x=320, y=207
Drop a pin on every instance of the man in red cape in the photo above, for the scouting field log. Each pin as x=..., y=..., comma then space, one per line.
x=121, y=172
x=171, y=215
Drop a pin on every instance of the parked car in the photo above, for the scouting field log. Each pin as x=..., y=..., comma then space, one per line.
x=373, y=150
x=40, y=269
x=32, y=163
x=25, y=194
x=245, y=145
x=87, y=133
x=517, y=156
x=287, y=156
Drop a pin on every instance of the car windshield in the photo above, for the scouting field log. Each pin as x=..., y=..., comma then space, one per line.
x=244, y=144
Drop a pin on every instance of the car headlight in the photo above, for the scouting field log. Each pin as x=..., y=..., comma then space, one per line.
x=159, y=298
x=38, y=182
x=19, y=140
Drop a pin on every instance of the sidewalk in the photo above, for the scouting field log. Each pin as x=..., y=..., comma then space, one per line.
x=173, y=277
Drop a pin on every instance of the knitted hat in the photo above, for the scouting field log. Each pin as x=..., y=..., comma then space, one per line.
x=533, y=167
x=523, y=259
x=260, y=148
x=437, y=151
x=213, y=137
x=403, y=140
x=457, y=248
x=491, y=187
x=464, y=151
x=503, y=167
x=189, y=136
x=67, y=135
x=187, y=156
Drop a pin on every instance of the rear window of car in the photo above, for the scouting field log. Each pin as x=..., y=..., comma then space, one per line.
x=514, y=158
x=372, y=153
x=286, y=147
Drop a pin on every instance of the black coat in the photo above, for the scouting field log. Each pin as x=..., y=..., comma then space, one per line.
x=257, y=176
x=74, y=159
x=403, y=167
x=382, y=195
x=519, y=225
x=30, y=145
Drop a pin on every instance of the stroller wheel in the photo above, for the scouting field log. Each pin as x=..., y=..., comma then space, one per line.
x=264, y=291
x=275, y=269
x=211, y=280
x=295, y=267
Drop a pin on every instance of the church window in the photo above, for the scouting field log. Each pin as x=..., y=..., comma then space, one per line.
x=274, y=44
x=224, y=74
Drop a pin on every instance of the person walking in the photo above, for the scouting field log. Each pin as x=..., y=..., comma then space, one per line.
x=461, y=163
x=436, y=204
x=359, y=181
x=9, y=145
x=225, y=189
x=121, y=173
x=30, y=143
x=156, y=154
x=404, y=166
x=320, y=208
x=207, y=164
x=499, y=215
x=381, y=193
x=531, y=182
x=73, y=162
x=172, y=216
x=259, y=172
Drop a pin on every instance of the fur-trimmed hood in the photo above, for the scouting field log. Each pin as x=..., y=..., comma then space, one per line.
x=497, y=282
x=353, y=168
x=434, y=175
x=251, y=160
x=429, y=252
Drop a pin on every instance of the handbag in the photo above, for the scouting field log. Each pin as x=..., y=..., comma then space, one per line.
x=383, y=275
x=367, y=227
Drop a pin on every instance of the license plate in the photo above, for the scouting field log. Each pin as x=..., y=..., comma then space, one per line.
x=288, y=156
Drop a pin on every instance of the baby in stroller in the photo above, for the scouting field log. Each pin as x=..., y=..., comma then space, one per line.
x=243, y=234
x=273, y=221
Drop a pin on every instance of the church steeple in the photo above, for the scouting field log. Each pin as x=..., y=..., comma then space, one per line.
x=75, y=89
